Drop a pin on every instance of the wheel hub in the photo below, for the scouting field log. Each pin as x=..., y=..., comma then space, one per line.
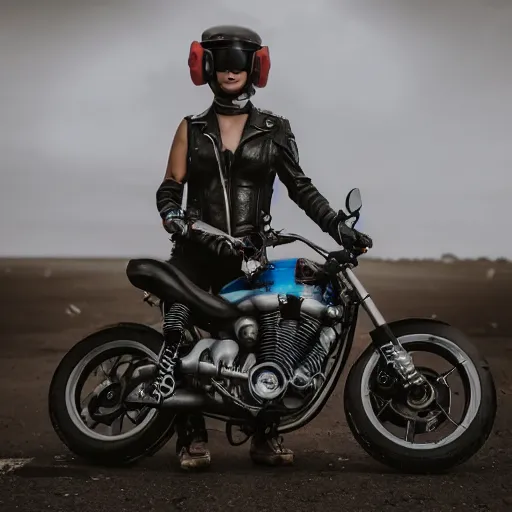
x=110, y=396
x=420, y=397
x=425, y=405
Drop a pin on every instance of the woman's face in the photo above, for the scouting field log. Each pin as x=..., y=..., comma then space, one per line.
x=232, y=82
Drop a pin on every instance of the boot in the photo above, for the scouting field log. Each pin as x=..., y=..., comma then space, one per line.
x=195, y=455
x=268, y=450
x=192, y=442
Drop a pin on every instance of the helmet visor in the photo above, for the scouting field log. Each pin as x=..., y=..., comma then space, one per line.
x=231, y=59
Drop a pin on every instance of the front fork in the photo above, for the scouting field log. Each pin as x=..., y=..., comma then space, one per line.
x=384, y=340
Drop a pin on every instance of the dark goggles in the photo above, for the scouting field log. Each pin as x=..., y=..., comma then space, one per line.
x=232, y=59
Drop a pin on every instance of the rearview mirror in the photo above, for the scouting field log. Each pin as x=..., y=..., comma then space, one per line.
x=353, y=202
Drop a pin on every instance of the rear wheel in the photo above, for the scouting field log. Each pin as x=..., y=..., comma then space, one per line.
x=412, y=433
x=96, y=425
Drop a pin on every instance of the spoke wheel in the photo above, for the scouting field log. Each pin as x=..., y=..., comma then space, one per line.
x=423, y=429
x=102, y=413
x=91, y=418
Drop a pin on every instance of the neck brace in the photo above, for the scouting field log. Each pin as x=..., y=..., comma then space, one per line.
x=229, y=104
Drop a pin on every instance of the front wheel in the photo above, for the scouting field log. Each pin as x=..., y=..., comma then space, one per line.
x=92, y=421
x=396, y=428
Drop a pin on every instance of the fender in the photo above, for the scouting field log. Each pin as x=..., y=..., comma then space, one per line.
x=379, y=336
x=127, y=325
x=407, y=321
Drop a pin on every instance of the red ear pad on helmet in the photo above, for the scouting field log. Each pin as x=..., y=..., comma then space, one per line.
x=195, y=63
x=261, y=67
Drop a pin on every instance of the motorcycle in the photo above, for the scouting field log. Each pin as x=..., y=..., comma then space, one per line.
x=270, y=348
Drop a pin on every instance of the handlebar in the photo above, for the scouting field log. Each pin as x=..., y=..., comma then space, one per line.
x=288, y=238
x=334, y=258
x=342, y=256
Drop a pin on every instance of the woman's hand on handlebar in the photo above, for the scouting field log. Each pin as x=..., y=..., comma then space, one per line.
x=352, y=239
x=354, y=244
x=218, y=244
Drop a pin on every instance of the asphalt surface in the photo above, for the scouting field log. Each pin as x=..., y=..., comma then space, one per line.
x=46, y=306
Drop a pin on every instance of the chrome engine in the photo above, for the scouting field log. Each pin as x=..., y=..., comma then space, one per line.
x=280, y=353
x=292, y=352
x=286, y=351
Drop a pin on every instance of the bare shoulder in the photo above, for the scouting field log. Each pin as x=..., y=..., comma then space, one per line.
x=181, y=131
x=177, y=162
x=180, y=139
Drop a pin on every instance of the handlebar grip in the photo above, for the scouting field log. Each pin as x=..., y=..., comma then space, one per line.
x=342, y=257
x=282, y=240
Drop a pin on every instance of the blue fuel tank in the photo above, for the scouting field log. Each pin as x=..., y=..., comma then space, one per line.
x=292, y=276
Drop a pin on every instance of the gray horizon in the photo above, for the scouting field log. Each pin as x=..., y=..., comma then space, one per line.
x=409, y=101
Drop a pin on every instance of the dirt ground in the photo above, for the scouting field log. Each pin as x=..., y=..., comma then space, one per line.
x=46, y=306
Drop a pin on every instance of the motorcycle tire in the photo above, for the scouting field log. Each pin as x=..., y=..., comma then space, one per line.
x=405, y=458
x=121, y=452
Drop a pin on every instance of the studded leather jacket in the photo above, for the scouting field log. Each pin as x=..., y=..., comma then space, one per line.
x=233, y=191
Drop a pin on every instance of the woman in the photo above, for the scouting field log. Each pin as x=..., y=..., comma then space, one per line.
x=230, y=155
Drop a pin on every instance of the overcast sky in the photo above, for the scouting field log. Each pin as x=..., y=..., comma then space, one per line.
x=409, y=100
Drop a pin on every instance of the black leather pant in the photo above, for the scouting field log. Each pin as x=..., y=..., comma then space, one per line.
x=209, y=272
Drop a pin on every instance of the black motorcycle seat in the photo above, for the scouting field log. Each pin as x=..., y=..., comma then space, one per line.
x=169, y=284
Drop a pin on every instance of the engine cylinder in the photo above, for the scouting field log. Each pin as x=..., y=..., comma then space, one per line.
x=285, y=342
x=313, y=362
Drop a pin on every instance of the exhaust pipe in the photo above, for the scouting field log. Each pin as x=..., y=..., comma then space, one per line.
x=148, y=371
x=191, y=400
x=185, y=399
x=181, y=399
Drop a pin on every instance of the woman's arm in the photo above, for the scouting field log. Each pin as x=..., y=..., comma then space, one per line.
x=177, y=163
x=170, y=193
x=300, y=189
x=169, y=196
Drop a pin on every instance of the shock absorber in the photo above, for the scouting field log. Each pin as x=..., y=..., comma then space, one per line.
x=175, y=321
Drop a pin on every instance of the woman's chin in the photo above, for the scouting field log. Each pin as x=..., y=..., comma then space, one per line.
x=231, y=89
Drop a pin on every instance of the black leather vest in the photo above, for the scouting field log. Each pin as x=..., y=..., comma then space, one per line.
x=232, y=196
x=235, y=197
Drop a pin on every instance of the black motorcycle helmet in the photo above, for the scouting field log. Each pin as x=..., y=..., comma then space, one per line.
x=229, y=48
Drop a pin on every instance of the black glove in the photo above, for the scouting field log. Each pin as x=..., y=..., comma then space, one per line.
x=216, y=244
x=352, y=239
x=175, y=222
x=168, y=197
